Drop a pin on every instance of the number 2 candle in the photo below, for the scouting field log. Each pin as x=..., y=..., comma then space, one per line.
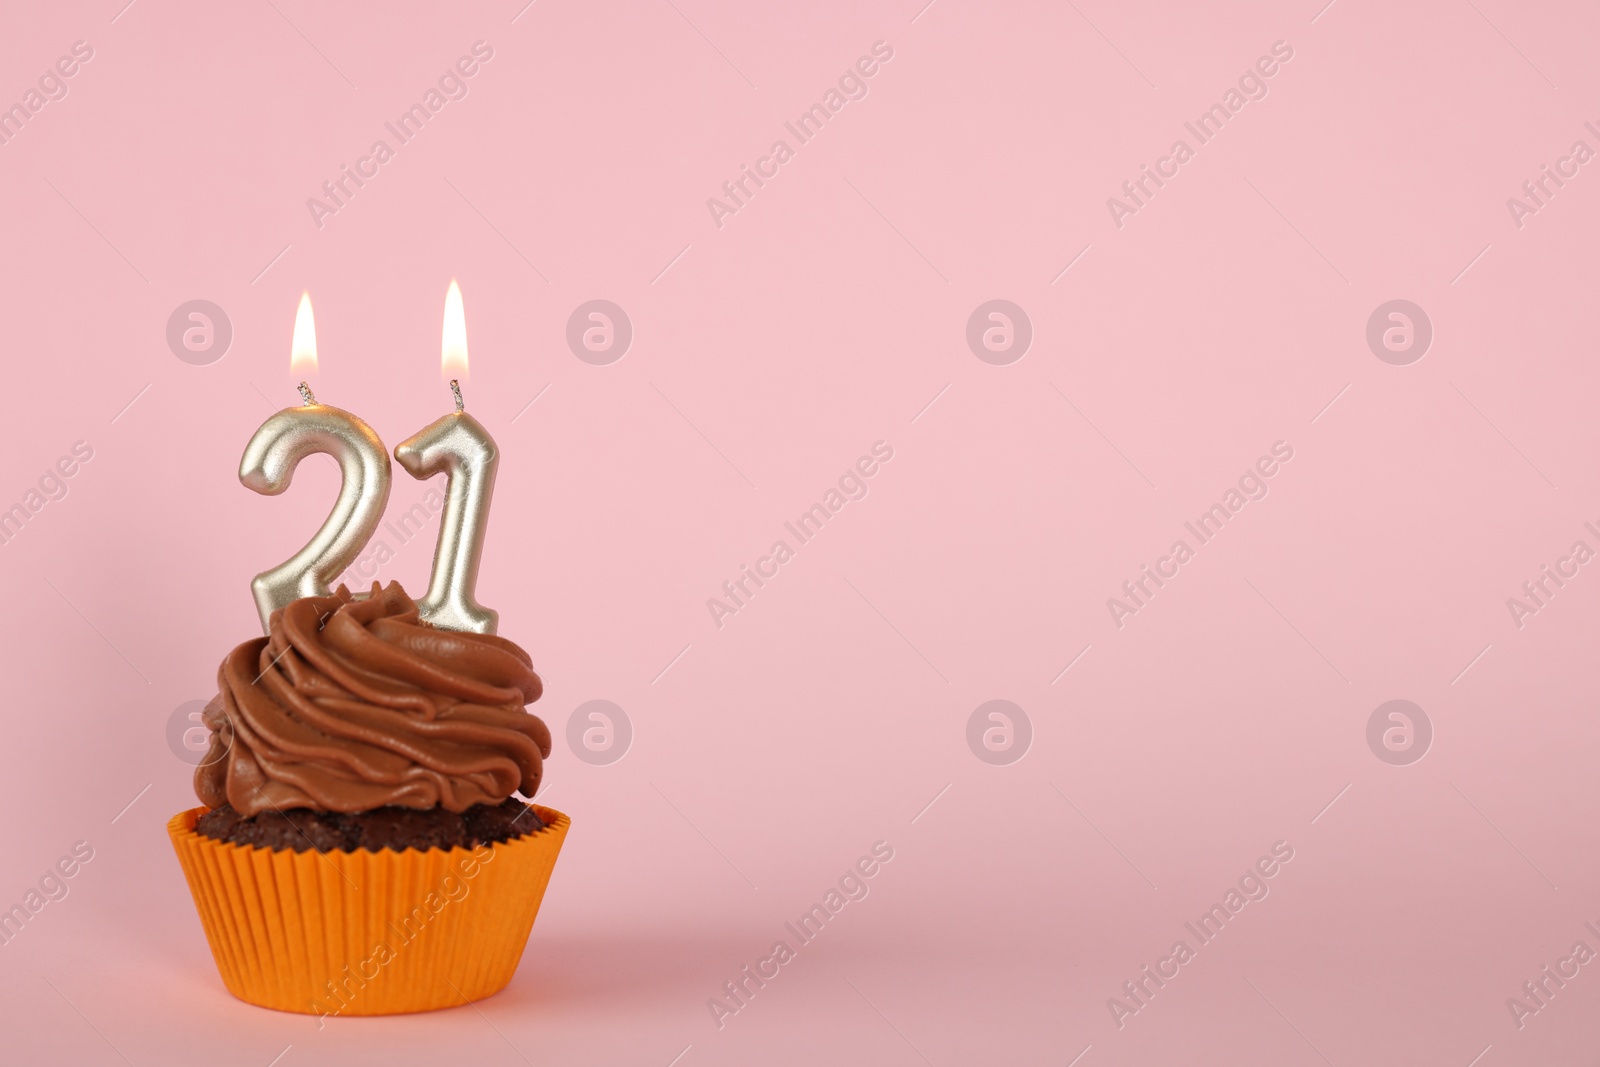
x=268, y=466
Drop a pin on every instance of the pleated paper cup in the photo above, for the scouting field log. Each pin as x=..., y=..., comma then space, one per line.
x=367, y=933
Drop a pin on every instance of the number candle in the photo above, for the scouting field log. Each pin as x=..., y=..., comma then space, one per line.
x=268, y=466
x=458, y=446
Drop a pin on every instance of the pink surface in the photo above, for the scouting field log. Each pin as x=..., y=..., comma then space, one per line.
x=1172, y=347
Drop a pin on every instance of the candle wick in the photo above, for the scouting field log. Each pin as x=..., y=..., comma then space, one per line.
x=305, y=394
x=455, y=387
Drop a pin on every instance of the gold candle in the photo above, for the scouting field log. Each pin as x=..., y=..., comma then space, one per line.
x=458, y=446
x=268, y=466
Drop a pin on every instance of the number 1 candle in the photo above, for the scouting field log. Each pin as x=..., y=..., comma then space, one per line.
x=458, y=446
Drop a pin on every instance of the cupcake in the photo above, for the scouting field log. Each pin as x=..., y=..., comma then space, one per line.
x=359, y=850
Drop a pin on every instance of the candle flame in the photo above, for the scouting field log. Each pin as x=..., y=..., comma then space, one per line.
x=303, y=349
x=453, y=352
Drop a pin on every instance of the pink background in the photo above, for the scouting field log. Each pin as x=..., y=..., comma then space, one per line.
x=823, y=317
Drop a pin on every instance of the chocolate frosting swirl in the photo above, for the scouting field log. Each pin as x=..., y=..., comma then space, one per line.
x=351, y=704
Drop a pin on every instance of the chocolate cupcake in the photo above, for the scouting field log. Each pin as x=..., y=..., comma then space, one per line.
x=360, y=850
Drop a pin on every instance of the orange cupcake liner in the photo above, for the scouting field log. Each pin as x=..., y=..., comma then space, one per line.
x=367, y=933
